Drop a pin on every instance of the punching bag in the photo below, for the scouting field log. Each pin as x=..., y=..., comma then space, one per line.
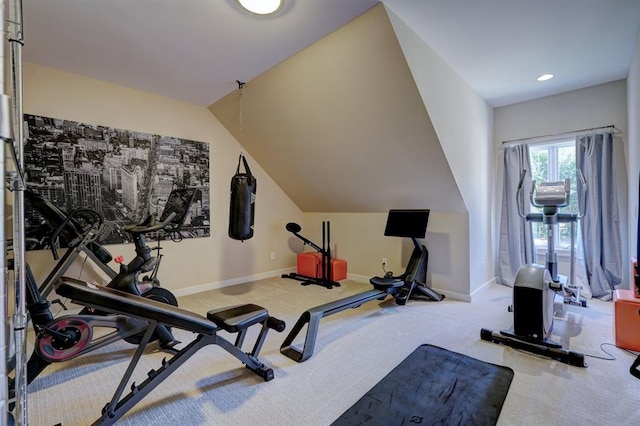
x=243, y=202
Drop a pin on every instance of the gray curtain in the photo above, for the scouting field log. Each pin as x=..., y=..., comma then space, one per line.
x=515, y=246
x=600, y=227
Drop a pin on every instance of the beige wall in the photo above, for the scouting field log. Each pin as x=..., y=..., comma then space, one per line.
x=463, y=122
x=192, y=264
x=343, y=126
x=200, y=264
x=359, y=239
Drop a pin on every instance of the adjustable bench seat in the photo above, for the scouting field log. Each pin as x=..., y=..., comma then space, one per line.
x=232, y=319
x=235, y=319
x=105, y=298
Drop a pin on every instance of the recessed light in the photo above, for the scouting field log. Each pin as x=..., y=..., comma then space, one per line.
x=261, y=7
x=545, y=77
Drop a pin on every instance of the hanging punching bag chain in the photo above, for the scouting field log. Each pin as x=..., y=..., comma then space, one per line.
x=240, y=89
x=243, y=190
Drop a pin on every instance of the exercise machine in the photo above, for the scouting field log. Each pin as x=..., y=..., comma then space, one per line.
x=73, y=230
x=150, y=314
x=536, y=286
x=67, y=337
x=81, y=229
x=400, y=223
x=325, y=279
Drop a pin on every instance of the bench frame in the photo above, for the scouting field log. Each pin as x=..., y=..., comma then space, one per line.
x=153, y=314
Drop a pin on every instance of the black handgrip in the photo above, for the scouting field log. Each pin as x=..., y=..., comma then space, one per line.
x=276, y=324
x=150, y=225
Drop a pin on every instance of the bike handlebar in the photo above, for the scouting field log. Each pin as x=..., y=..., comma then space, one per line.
x=150, y=224
x=93, y=218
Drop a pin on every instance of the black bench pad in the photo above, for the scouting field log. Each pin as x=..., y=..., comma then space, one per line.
x=116, y=301
x=239, y=317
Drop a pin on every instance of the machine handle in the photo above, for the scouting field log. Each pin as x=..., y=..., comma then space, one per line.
x=95, y=221
x=150, y=224
x=294, y=228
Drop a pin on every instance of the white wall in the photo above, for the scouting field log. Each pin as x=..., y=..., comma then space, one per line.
x=463, y=122
x=633, y=143
x=193, y=264
x=595, y=106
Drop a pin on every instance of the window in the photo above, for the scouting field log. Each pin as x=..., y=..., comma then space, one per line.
x=553, y=162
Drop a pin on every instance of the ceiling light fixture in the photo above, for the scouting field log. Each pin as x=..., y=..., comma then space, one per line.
x=261, y=7
x=545, y=77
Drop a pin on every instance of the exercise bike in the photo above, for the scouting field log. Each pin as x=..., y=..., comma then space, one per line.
x=81, y=230
x=536, y=286
x=67, y=337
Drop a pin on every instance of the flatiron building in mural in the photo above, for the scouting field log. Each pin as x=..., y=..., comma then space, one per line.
x=124, y=175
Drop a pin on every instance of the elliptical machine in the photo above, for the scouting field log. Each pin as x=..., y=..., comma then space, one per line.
x=536, y=286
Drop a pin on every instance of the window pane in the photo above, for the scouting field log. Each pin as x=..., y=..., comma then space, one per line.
x=539, y=165
x=539, y=173
x=567, y=170
x=555, y=162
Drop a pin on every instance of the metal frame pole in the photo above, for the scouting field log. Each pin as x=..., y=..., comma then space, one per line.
x=15, y=32
x=5, y=134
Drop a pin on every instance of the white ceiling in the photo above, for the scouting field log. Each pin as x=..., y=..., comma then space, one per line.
x=195, y=50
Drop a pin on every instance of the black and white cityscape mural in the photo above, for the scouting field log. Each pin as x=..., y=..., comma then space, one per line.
x=124, y=175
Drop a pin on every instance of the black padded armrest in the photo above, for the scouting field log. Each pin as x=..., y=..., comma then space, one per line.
x=115, y=301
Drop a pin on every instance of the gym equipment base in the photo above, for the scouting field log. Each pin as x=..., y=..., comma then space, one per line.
x=551, y=350
x=383, y=287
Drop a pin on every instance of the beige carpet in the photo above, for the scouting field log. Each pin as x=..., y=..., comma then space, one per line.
x=354, y=350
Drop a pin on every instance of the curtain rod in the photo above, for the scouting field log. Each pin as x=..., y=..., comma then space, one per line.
x=612, y=127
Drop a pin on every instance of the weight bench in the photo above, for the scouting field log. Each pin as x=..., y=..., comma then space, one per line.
x=234, y=319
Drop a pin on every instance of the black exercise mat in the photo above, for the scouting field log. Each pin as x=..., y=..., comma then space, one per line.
x=434, y=386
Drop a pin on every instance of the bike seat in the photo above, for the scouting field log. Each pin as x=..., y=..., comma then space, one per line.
x=386, y=283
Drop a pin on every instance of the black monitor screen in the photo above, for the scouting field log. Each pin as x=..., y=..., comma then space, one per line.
x=179, y=202
x=407, y=223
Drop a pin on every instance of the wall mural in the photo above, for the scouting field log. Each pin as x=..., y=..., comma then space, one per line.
x=122, y=174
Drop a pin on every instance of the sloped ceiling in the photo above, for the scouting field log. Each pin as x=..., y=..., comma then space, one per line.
x=341, y=126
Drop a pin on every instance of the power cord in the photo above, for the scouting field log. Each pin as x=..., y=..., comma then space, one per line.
x=82, y=267
x=611, y=357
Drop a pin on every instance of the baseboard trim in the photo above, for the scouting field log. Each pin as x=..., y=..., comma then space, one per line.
x=483, y=288
x=354, y=277
x=233, y=281
x=447, y=293
x=453, y=295
x=359, y=278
